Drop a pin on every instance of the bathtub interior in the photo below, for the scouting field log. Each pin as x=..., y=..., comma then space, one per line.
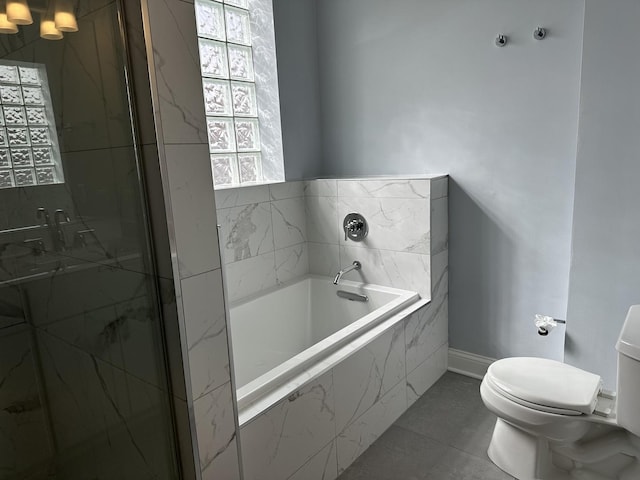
x=271, y=330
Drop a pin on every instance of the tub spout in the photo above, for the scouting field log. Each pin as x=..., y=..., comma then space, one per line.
x=356, y=265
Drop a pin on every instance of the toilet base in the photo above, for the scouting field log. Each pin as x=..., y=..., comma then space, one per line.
x=522, y=455
x=529, y=457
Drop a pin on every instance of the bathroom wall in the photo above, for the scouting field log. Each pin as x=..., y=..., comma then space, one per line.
x=297, y=53
x=605, y=278
x=409, y=87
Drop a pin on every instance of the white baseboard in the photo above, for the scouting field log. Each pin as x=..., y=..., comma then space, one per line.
x=468, y=364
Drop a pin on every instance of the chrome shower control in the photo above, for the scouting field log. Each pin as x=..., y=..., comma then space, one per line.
x=355, y=227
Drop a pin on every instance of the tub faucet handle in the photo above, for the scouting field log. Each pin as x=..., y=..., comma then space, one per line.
x=355, y=227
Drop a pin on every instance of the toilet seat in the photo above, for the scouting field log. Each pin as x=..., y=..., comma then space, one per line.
x=545, y=385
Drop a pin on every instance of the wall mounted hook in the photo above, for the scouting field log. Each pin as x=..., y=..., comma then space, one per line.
x=539, y=33
x=501, y=40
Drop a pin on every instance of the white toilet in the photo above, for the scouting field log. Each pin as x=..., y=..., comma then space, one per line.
x=555, y=422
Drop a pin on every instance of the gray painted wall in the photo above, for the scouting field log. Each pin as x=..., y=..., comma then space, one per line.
x=605, y=271
x=297, y=52
x=419, y=87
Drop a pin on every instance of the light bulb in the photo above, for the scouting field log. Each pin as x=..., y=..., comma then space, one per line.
x=18, y=12
x=48, y=30
x=5, y=25
x=64, y=17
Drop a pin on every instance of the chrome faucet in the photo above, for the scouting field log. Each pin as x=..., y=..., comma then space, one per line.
x=43, y=214
x=356, y=265
x=55, y=229
x=60, y=241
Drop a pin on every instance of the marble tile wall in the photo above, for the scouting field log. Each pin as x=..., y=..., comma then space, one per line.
x=263, y=236
x=24, y=444
x=398, y=250
x=271, y=234
x=318, y=431
x=187, y=202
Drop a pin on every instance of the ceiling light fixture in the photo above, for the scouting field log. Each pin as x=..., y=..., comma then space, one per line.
x=64, y=17
x=48, y=29
x=5, y=25
x=18, y=12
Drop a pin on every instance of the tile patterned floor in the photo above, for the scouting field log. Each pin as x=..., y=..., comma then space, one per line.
x=443, y=436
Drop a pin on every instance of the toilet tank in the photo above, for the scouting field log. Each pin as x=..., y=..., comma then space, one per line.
x=628, y=347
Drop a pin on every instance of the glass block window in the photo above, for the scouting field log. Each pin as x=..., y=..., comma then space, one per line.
x=228, y=82
x=29, y=152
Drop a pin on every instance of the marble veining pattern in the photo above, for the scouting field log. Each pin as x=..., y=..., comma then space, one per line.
x=277, y=443
x=206, y=329
x=250, y=276
x=358, y=436
x=384, y=188
x=373, y=379
x=323, y=465
x=108, y=409
x=323, y=224
x=289, y=222
x=394, y=224
x=291, y=262
x=280, y=191
x=23, y=441
x=321, y=188
x=363, y=378
x=263, y=230
x=177, y=65
x=191, y=188
x=426, y=374
x=217, y=440
x=235, y=197
x=404, y=270
x=426, y=332
x=245, y=231
x=365, y=372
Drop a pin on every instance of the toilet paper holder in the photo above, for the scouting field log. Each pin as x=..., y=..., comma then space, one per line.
x=545, y=324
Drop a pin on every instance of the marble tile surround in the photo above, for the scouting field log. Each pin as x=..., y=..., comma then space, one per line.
x=321, y=428
x=302, y=436
x=282, y=231
x=263, y=236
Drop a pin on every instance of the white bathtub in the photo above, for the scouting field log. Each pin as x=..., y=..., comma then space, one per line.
x=280, y=334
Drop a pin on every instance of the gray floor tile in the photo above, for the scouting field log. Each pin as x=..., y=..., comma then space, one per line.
x=397, y=454
x=458, y=465
x=474, y=436
x=442, y=413
x=443, y=436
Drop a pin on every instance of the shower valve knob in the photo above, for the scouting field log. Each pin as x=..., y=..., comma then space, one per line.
x=355, y=227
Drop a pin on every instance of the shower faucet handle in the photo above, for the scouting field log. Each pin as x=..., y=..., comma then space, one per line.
x=43, y=213
x=355, y=227
x=61, y=213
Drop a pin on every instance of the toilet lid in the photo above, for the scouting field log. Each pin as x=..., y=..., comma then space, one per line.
x=546, y=383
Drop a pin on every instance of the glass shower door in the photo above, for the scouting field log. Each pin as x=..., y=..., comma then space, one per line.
x=84, y=392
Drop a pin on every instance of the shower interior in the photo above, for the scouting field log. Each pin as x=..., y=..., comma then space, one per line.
x=84, y=388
